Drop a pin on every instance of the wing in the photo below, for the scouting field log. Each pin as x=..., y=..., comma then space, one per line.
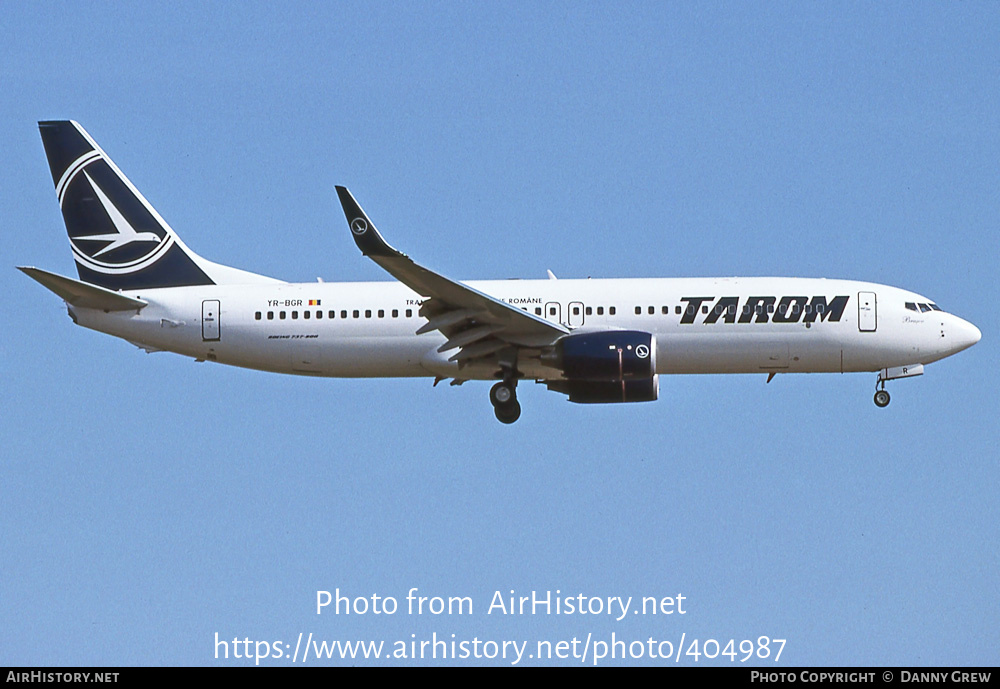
x=476, y=324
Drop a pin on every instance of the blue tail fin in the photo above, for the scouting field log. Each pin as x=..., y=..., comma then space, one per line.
x=119, y=241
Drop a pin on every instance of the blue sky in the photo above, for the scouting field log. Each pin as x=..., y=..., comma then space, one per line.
x=150, y=502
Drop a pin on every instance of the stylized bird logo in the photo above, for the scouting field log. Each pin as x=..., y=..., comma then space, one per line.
x=359, y=226
x=125, y=235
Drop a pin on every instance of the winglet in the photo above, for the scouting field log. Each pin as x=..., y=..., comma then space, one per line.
x=366, y=236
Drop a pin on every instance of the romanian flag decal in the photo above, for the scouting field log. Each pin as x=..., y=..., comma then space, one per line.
x=314, y=302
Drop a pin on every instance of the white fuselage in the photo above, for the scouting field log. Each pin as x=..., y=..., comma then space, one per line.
x=701, y=325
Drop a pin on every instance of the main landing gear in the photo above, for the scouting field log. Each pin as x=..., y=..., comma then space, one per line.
x=503, y=397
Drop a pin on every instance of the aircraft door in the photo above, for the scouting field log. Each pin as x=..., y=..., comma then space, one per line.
x=553, y=312
x=575, y=314
x=210, y=329
x=867, y=312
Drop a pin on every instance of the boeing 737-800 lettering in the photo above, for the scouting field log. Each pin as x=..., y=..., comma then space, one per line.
x=596, y=341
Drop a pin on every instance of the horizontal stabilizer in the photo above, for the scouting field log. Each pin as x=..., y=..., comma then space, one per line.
x=83, y=294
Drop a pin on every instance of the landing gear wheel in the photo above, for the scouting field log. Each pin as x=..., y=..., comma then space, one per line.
x=508, y=413
x=881, y=398
x=502, y=394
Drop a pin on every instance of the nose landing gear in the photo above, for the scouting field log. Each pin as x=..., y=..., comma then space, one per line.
x=881, y=394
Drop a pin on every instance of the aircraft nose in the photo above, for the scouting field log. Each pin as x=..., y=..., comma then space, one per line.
x=965, y=335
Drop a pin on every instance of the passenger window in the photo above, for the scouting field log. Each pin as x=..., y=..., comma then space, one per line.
x=652, y=310
x=704, y=309
x=295, y=315
x=589, y=311
x=368, y=313
x=306, y=314
x=356, y=313
x=319, y=314
x=611, y=310
x=600, y=310
x=281, y=315
x=409, y=313
x=395, y=313
x=638, y=310
x=576, y=310
x=257, y=316
x=381, y=313
x=538, y=310
x=343, y=314
x=678, y=310
x=270, y=315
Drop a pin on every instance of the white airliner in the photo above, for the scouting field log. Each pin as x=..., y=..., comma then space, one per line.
x=596, y=341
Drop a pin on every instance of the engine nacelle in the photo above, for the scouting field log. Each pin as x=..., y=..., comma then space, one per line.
x=609, y=355
x=608, y=392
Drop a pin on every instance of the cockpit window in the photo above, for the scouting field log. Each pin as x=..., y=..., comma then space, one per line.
x=924, y=308
x=935, y=307
x=911, y=306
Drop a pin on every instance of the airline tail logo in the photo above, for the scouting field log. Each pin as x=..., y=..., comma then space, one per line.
x=117, y=245
x=359, y=226
x=118, y=240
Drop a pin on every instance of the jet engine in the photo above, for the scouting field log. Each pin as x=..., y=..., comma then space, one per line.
x=607, y=366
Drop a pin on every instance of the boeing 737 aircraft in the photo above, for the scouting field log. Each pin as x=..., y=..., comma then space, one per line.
x=596, y=341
